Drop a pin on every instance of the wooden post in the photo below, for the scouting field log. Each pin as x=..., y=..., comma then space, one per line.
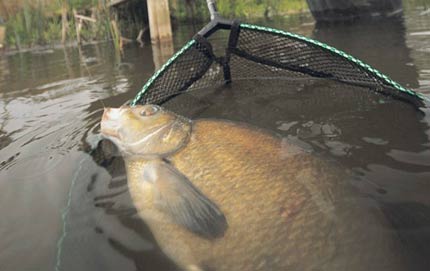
x=164, y=24
x=2, y=35
x=152, y=16
x=64, y=23
x=159, y=20
x=78, y=26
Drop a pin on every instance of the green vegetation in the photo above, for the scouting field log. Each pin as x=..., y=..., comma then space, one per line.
x=425, y=4
x=260, y=8
x=42, y=22
x=30, y=26
x=238, y=8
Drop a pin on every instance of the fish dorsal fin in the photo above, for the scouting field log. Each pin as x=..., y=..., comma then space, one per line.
x=175, y=195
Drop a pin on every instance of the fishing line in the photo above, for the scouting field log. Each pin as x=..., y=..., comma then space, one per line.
x=65, y=212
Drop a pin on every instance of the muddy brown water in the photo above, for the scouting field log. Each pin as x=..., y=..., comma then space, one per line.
x=65, y=206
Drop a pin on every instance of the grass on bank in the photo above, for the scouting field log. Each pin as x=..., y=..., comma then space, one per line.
x=237, y=8
x=39, y=22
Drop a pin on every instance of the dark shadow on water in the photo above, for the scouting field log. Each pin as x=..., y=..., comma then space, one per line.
x=380, y=43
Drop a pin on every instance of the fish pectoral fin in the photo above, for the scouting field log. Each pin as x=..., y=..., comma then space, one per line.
x=175, y=195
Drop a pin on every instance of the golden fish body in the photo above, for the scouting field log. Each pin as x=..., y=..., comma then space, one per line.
x=285, y=209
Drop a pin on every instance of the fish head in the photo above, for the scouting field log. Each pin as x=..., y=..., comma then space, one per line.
x=145, y=130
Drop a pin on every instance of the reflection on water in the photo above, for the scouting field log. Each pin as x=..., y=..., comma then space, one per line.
x=49, y=104
x=381, y=42
x=417, y=38
x=65, y=206
x=162, y=52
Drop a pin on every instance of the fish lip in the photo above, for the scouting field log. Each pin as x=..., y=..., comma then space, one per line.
x=109, y=125
x=109, y=132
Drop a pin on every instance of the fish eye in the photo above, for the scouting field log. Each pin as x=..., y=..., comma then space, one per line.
x=149, y=111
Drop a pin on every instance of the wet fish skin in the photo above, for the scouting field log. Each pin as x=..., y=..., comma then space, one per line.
x=286, y=209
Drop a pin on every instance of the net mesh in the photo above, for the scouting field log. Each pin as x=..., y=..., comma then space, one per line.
x=258, y=52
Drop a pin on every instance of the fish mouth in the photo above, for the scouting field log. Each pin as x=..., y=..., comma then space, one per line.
x=110, y=122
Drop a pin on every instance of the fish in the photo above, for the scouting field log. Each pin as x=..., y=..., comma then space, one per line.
x=224, y=195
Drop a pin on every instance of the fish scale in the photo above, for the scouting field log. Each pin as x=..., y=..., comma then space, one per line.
x=286, y=210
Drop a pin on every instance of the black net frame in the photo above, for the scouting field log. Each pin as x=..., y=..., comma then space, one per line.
x=260, y=53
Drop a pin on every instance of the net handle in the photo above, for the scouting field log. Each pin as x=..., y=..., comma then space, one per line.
x=212, y=9
x=217, y=22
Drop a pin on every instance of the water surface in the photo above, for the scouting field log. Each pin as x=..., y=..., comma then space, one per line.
x=65, y=206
